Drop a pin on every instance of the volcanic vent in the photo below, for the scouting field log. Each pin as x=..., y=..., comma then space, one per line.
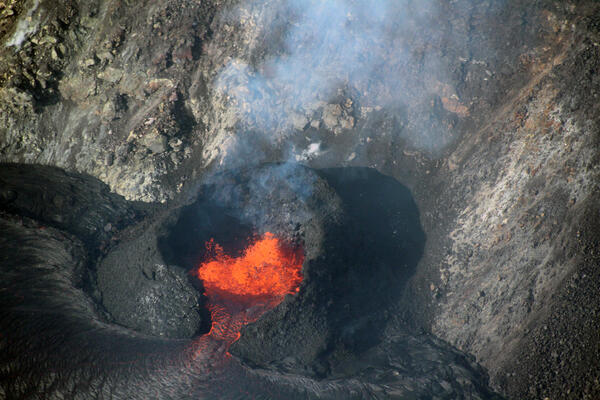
x=241, y=288
x=265, y=269
x=339, y=242
x=348, y=237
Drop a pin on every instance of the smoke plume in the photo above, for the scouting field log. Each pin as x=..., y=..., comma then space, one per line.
x=328, y=65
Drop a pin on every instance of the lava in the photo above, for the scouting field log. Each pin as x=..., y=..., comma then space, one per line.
x=240, y=289
x=266, y=268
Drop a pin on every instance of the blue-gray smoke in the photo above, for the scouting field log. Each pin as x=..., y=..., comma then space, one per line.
x=323, y=48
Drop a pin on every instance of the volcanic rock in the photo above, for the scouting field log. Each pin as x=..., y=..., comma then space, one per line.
x=141, y=293
x=486, y=111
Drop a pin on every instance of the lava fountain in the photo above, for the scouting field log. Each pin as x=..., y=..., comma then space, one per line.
x=240, y=289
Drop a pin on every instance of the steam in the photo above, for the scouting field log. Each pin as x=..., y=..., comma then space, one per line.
x=25, y=27
x=323, y=64
x=275, y=197
x=312, y=84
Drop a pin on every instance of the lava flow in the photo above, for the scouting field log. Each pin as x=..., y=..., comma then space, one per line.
x=240, y=289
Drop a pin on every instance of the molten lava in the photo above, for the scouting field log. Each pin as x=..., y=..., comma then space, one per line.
x=241, y=289
x=265, y=269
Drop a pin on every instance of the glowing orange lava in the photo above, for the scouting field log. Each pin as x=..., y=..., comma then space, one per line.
x=267, y=268
x=240, y=289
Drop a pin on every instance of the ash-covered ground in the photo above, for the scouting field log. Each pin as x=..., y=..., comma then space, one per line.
x=474, y=121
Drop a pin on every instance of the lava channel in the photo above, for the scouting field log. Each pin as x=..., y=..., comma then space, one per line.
x=240, y=289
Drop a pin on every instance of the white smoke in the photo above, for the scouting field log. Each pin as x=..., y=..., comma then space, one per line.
x=308, y=51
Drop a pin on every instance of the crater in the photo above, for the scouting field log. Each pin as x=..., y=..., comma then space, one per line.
x=357, y=230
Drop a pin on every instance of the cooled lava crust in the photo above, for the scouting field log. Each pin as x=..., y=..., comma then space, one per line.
x=103, y=298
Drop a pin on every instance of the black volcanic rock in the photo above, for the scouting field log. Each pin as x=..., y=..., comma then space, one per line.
x=142, y=293
x=330, y=329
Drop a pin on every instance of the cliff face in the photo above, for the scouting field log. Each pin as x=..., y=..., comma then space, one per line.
x=488, y=111
x=524, y=186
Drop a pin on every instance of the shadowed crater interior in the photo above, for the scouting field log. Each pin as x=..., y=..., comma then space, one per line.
x=361, y=237
x=73, y=279
x=359, y=232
